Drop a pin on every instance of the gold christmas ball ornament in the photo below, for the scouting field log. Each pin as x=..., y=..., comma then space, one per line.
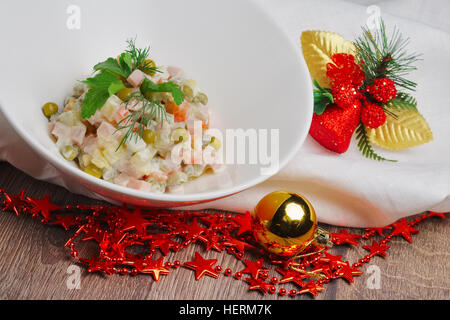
x=285, y=224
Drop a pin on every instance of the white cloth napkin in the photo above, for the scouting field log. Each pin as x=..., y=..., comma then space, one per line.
x=347, y=189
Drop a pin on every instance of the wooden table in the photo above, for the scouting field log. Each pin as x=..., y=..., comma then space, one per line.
x=35, y=265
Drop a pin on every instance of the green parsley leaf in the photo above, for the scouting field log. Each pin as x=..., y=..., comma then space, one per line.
x=112, y=66
x=115, y=87
x=103, y=85
x=149, y=86
x=95, y=99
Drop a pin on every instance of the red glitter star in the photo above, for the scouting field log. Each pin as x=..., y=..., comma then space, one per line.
x=292, y=276
x=345, y=237
x=65, y=221
x=404, y=229
x=379, y=230
x=348, y=272
x=154, y=267
x=244, y=221
x=134, y=220
x=202, y=266
x=15, y=203
x=253, y=268
x=258, y=284
x=377, y=249
x=43, y=207
x=312, y=288
x=436, y=214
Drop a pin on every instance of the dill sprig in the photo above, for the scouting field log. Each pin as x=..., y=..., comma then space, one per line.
x=136, y=122
x=139, y=57
x=384, y=57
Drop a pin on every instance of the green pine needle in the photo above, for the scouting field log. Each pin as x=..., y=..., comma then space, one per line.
x=365, y=146
x=403, y=101
x=385, y=57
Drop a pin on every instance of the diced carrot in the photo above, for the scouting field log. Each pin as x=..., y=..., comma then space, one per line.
x=205, y=124
x=180, y=115
x=172, y=107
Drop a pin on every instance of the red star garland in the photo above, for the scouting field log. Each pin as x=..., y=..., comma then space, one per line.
x=258, y=284
x=153, y=267
x=292, y=276
x=345, y=237
x=134, y=220
x=115, y=229
x=202, y=267
x=437, y=214
x=404, y=229
x=245, y=223
x=15, y=203
x=348, y=272
x=43, y=207
x=312, y=288
x=379, y=230
x=65, y=221
x=253, y=268
x=377, y=249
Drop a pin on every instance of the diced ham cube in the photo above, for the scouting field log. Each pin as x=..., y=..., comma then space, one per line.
x=139, y=185
x=61, y=131
x=78, y=133
x=90, y=144
x=158, y=176
x=136, y=78
x=122, y=179
x=175, y=71
x=106, y=131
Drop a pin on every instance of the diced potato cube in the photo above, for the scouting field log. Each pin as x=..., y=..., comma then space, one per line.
x=135, y=144
x=110, y=108
x=99, y=160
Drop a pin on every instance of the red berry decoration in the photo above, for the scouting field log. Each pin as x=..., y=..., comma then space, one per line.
x=383, y=90
x=373, y=115
x=344, y=70
x=344, y=95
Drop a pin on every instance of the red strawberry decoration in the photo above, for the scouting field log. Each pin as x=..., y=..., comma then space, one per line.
x=335, y=126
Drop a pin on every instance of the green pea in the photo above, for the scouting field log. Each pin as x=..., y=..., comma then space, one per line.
x=49, y=109
x=202, y=98
x=188, y=92
x=180, y=135
x=124, y=93
x=149, y=136
x=149, y=63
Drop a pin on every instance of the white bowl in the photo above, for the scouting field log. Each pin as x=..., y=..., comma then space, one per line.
x=253, y=74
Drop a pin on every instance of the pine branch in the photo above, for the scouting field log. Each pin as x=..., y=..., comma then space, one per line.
x=384, y=57
x=365, y=146
x=403, y=101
